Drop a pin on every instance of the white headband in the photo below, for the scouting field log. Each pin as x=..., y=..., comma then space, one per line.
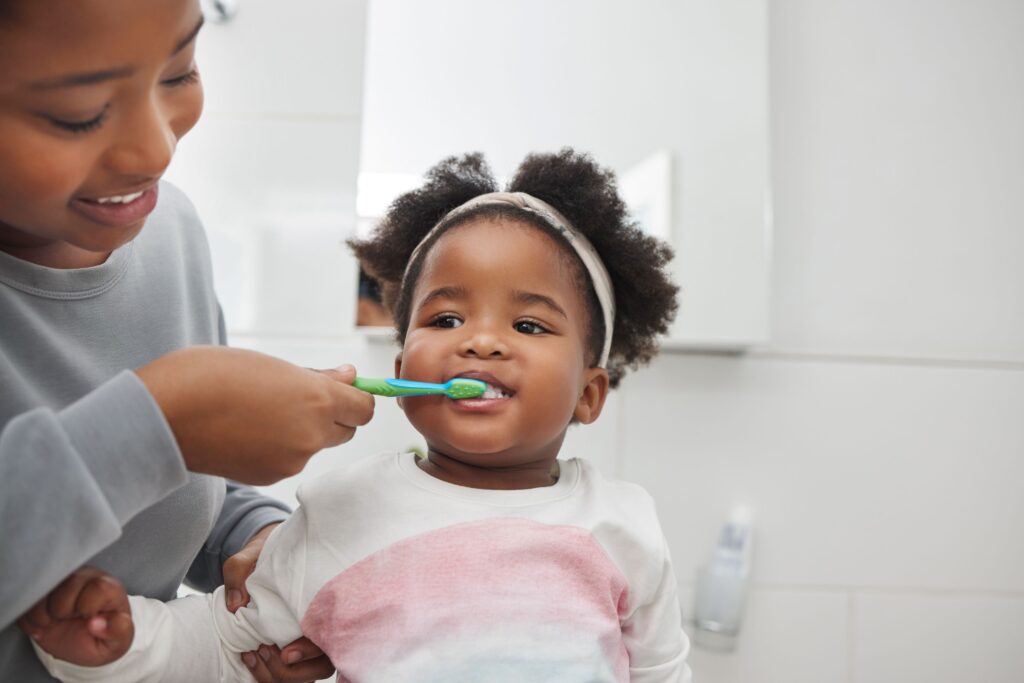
x=581, y=245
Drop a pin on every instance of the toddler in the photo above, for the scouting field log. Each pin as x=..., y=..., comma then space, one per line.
x=490, y=559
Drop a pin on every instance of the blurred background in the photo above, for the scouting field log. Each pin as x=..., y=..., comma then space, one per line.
x=843, y=183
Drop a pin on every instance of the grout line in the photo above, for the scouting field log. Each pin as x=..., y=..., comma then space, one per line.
x=851, y=637
x=282, y=117
x=766, y=353
x=881, y=359
x=916, y=591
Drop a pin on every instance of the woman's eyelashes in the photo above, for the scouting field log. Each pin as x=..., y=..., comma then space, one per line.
x=185, y=79
x=189, y=78
x=80, y=126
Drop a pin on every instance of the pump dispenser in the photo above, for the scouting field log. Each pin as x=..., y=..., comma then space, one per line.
x=722, y=585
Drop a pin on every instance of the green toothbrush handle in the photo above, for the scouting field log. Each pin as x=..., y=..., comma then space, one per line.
x=455, y=389
x=378, y=387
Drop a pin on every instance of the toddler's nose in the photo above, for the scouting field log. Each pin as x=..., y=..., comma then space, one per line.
x=484, y=343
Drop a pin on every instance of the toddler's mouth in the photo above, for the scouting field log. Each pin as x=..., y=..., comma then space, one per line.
x=495, y=389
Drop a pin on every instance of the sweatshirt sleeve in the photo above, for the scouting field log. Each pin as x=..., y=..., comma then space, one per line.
x=245, y=511
x=201, y=626
x=654, y=636
x=71, y=479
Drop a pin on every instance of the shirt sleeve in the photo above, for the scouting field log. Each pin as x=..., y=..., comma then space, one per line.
x=196, y=638
x=245, y=511
x=654, y=637
x=71, y=479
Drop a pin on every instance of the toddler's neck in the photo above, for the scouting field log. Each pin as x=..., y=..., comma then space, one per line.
x=527, y=476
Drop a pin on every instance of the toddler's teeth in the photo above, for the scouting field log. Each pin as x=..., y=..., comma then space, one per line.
x=493, y=392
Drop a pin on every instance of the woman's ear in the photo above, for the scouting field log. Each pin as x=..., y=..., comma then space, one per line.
x=593, y=395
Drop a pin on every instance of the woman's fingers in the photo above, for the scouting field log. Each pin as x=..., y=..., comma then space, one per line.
x=101, y=593
x=62, y=602
x=300, y=650
x=117, y=633
x=36, y=619
x=352, y=407
x=267, y=665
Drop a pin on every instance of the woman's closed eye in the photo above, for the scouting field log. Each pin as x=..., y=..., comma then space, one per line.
x=87, y=125
x=79, y=126
x=185, y=79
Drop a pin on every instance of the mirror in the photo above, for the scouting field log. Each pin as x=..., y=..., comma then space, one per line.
x=670, y=94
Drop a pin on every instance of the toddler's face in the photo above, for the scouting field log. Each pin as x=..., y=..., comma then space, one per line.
x=94, y=96
x=497, y=301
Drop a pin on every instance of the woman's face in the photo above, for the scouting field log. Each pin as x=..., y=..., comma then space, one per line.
x=94, y=96
x=498, y=300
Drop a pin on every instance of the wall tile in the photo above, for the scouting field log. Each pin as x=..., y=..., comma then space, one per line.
x=938, y=639
x=786, y=637
x=898, y=178
x=873, y=475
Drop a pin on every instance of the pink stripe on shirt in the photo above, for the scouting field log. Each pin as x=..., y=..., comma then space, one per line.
x=501, y=599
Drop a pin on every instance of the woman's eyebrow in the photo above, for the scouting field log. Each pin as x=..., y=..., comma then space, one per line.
x=93, y=77
x=183, y=43
x=535, y=298
x=88, y=78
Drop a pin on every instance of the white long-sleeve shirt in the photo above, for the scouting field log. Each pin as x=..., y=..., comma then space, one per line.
x=399, y=576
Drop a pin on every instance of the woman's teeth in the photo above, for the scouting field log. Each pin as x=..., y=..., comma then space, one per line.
x=495, y=392
x=120, y=199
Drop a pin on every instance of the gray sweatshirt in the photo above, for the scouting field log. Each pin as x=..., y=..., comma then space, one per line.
x=89, y=469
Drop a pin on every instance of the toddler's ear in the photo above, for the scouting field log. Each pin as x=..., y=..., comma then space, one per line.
x=398, y=373
x=592, y=397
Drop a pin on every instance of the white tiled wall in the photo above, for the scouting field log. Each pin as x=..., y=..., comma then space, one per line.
x=878, y=438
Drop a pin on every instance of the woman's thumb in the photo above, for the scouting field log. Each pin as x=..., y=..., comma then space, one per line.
x=345, y=374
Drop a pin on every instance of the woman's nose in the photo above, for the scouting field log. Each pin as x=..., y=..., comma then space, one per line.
x=146, y=144
x=484, y=342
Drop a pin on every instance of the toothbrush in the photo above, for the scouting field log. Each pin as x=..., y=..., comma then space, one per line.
x=460, y=387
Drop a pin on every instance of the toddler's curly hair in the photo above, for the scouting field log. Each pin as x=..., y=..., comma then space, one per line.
x=586, y=194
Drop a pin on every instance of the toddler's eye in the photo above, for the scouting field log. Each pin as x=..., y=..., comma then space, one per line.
x=448, y=322
x=529, y=327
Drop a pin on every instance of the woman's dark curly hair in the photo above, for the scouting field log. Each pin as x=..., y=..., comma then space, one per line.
x=586, y=195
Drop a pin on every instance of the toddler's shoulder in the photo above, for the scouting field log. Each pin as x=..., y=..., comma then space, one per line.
x=624, y=496
x=358, y=483
x=625, y=514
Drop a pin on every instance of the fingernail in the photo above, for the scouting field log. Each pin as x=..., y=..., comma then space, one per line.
x=234, y=597
x=291, y=657
x=345, y=368
x=98, y=624
x=249, y=659
x=265, y=653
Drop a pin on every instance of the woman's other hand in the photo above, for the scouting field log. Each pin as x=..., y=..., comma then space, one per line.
x=86, y=620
